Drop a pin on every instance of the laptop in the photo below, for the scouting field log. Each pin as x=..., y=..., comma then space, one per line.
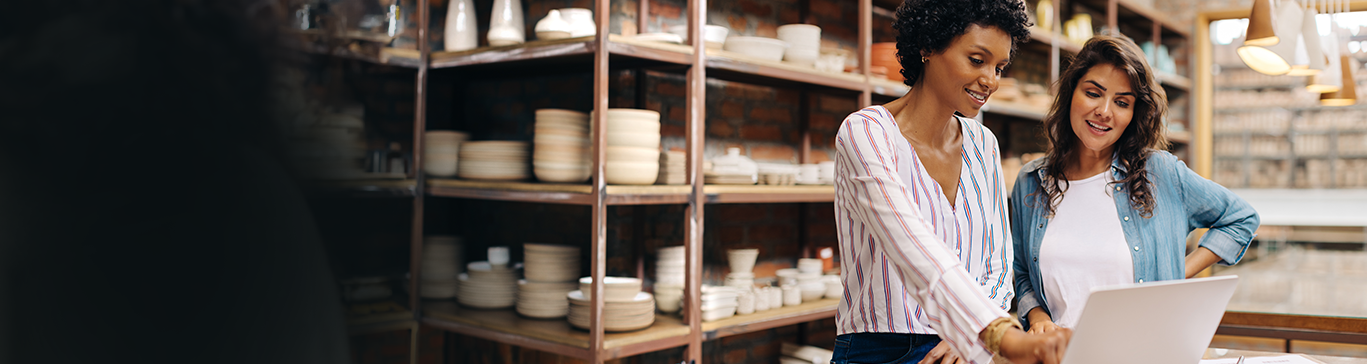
x=1169, y=322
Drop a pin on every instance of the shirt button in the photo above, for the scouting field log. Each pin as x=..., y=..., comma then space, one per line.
x=1141, y=280
x=1117, y=188
x=1036, y=259
x=1041, y=226
x=1127, y=218
x=1136, y=248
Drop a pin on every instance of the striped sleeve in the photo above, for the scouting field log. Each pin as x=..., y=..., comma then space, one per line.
x=998, y=277
x=868, y=184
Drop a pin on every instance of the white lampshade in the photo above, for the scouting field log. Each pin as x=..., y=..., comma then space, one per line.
x=1277, y=59
x=1331, y=79
x=1310, y=48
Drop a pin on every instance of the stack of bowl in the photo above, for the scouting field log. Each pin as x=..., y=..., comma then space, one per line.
x=561, y=146
x=494, y=160
x=742, y=268
x=441, y=150
x=826, y=172
x=768, y=49
x=809, y=279
x=551, y=271
x=804, y=43
x=633, y=147
x=488, y=286
x=834, y=286
x=672, y=171
x=625, y=307
x=441, y=262
x=719, y=302
x=669, y=278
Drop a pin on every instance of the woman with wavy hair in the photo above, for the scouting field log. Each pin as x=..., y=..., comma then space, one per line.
x=1107, y=205
x=920, y=205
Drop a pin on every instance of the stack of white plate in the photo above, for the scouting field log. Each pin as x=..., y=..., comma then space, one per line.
x=624, y=314
x=804, y=43
x=826, y=172
x=545, y=300
x=441, y=262
x=810, y=174
x=669, y=278
x=440, y=151
x=488, y=286
x=551, y=271
x=494, y=160
x=672, y=171
x=633, y=147
x=809, y=279
x=561, y=146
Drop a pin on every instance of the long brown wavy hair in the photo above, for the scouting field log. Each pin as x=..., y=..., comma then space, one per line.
x=1143, y=135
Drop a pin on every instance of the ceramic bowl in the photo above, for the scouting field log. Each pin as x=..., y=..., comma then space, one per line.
x=742, y=260
x=801, y=36
x=633, y=120
x=631, y=173
x=768, y=49
x=629, y=139
x=631, y=154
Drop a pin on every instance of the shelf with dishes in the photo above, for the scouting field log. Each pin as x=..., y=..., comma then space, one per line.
x=1133, y=13
x=778, y=317
x=552, y=335
x=581, y=194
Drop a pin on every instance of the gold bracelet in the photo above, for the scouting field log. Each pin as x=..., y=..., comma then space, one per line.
x=996, y=330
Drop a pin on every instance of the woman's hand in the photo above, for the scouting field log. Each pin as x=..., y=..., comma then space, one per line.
x=1022, y=348
x=945, y=352
x=1040, y=322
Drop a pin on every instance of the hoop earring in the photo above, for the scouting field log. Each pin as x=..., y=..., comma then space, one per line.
x=924, y=60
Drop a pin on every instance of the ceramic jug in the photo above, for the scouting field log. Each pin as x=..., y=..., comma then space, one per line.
x=462, y=31
x=505, y=25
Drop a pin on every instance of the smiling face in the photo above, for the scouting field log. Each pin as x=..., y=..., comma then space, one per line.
x=1103, y=105
x=966, y=73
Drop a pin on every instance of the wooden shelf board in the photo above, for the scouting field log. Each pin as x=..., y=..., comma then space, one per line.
x=783, y=316
x=539, y=49
x=738, y=67
x=1183, y=137
x=575, y=194
x=1174, y=80
x=768, y=194
x=1049, y=38
x=553, y=335
x=888, y=88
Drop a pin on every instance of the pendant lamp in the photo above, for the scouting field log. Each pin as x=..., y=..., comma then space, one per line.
x=1313, y=61
x=1331, y=79
x=1277, y=59
x=1260, y=32
x=1348, y=94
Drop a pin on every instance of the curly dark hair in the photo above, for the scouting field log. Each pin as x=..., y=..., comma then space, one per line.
x=1136, y=143
x=927, y=26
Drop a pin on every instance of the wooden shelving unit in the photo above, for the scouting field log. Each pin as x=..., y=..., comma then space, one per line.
x=607, y=52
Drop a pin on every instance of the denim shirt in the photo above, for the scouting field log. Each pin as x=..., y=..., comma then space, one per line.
x=1183, y=201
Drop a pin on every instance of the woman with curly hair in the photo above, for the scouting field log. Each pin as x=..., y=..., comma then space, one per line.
x=1106, y=205
x=920, y=207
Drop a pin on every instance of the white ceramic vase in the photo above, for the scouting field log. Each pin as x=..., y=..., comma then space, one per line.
x=581, y=22
x=505, y=25
x=462, y=31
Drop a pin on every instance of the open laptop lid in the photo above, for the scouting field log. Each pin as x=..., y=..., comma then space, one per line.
x=1158, y=322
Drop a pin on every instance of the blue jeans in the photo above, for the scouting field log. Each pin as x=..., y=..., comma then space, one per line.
x=878, y=348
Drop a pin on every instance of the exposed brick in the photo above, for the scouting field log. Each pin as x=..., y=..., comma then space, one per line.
x=837, y=104
x=772, y=232
x=755, y=8
x=788, y=249
x=789, y=16
x=720, y=128
x=663, y=228
x=732, y=109
x=730, y=234
x=670, y=88
x=773, y=153
x=770, y=114
x=788, y=96
x=824, y=7
x=567, y=86
x=673, y=130
x=820, y=229
x=823, y=122
x=652, y=104
x=741, y=213
x=784, y=212
x=737, y=23
x=736, y=356
x=766, y=29
x=768, y=350
x=761, y=132
x=745, y=340
x=677, y=113
x=665, y=10
x=768, y=269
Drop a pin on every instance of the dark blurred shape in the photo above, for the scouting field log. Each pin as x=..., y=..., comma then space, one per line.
x=146, y=214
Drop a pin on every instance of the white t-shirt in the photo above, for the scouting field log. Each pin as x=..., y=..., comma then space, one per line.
x=1083, y=248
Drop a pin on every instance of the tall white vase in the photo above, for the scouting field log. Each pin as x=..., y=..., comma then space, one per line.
x=505, y=25
x=462, y=30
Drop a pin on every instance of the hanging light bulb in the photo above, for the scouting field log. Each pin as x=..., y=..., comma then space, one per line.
x=1277, y=59
x=1260, y=32
x=1310, y=49
x=1347, y=95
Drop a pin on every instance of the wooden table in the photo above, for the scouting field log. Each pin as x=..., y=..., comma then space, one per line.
x=1210, y=354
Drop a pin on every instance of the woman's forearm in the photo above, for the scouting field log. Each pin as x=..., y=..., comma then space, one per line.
x=1038, y=315
x=1198, y=260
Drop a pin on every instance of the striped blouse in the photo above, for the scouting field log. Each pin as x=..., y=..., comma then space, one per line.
x=901, y=242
